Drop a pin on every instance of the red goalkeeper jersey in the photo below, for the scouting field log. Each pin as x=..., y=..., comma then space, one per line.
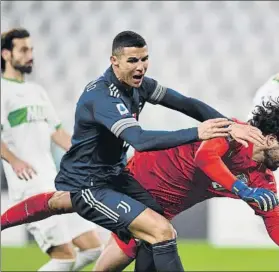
x=181, y=177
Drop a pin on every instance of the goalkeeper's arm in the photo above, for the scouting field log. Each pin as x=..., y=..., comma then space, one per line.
x=271, y=221
x=209, y=159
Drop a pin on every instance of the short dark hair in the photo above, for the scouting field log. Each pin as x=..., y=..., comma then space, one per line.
x=127, y=39
x=266, y=117
x=7, y=41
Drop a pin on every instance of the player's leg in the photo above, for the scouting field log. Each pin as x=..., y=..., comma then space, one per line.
x=85, y=238
x=52, y=237
x=146, y=255
x=143, y=261
x=119, y=213
x=161, y=237
x=36, y=207
x=116, y=255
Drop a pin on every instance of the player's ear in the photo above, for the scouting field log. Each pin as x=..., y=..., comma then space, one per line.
x=6, y=54
x=114, y=61
x=271, y=141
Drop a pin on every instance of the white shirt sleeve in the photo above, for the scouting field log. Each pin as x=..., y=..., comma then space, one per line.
x=4, y=118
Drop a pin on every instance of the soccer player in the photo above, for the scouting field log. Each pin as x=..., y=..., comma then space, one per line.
x=28, y=124
x=106, y=123
x=269, y=91
x=183, y=176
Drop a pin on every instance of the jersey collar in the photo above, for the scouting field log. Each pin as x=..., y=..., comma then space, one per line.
x=112, y=79
x=13, y=80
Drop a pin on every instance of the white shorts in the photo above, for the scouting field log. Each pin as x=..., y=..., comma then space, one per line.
x=58, y=230
x=55, y=230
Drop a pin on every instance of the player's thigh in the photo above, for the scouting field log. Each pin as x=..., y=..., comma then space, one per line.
x=83, y=232
x=50, y=232
x=152, y=227
x=107, y=208
x=131, y=187
x=113, y=257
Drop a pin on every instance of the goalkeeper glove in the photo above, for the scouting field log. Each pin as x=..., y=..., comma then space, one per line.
x=265, y=199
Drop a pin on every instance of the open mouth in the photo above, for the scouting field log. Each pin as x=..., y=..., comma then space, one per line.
x=138, y=77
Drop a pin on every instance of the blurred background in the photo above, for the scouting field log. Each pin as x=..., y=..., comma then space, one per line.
x=218, y=52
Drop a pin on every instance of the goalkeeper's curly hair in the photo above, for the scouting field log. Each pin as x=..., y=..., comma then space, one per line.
x=266, y=117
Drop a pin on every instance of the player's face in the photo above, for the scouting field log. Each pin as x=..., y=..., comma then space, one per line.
x=22, y=55
x=131, y=65
x=271, y=154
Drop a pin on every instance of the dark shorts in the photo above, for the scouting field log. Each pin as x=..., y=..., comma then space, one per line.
x=114, y=204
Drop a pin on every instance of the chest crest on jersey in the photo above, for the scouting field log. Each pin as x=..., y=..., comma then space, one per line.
x=27, y=114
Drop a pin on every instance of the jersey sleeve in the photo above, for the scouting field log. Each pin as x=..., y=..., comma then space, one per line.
x=153, y=91
x=51, y=115
x=271, y=221
x=209, y=159
x=3, y=114
x=112, y=113
x=271, y=218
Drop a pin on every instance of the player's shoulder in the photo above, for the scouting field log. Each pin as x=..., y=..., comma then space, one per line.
x=148, y=84
x=35, y=86
x=274, y=78
x=95, y=90
x=269, y=89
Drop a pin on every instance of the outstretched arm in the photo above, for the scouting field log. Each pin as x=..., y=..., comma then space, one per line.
x=209, y=159
x=200, y=111
x=190, y=106
x=120, y=121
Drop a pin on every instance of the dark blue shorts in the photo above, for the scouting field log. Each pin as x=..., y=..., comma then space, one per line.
x=114, y=204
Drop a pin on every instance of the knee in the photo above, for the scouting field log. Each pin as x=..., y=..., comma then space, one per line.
x=164, y=231
x=60, y=202
x=65, y=251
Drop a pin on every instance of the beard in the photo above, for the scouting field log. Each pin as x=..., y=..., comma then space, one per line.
x=269, y=162
x=24, y=69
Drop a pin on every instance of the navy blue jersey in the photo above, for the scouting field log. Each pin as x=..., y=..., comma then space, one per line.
x=104, y=110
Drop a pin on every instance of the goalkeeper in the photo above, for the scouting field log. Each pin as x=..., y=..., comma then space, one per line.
x=181, y=177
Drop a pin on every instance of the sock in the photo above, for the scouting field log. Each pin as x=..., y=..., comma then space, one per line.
x=86, y=257
x=144, y=259
x=30, y=210
x=166, y=256
x=58, y=265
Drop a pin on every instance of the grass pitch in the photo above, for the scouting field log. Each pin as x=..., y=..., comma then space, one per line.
x=196, y=256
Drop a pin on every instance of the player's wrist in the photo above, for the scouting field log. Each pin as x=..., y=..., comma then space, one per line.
x=239, y=187
x=10, y=158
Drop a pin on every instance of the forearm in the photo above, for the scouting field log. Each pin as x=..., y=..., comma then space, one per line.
x=6, y=154
x=208, y=159
x=190, y=106
x=144, y=140
x=62, y=139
